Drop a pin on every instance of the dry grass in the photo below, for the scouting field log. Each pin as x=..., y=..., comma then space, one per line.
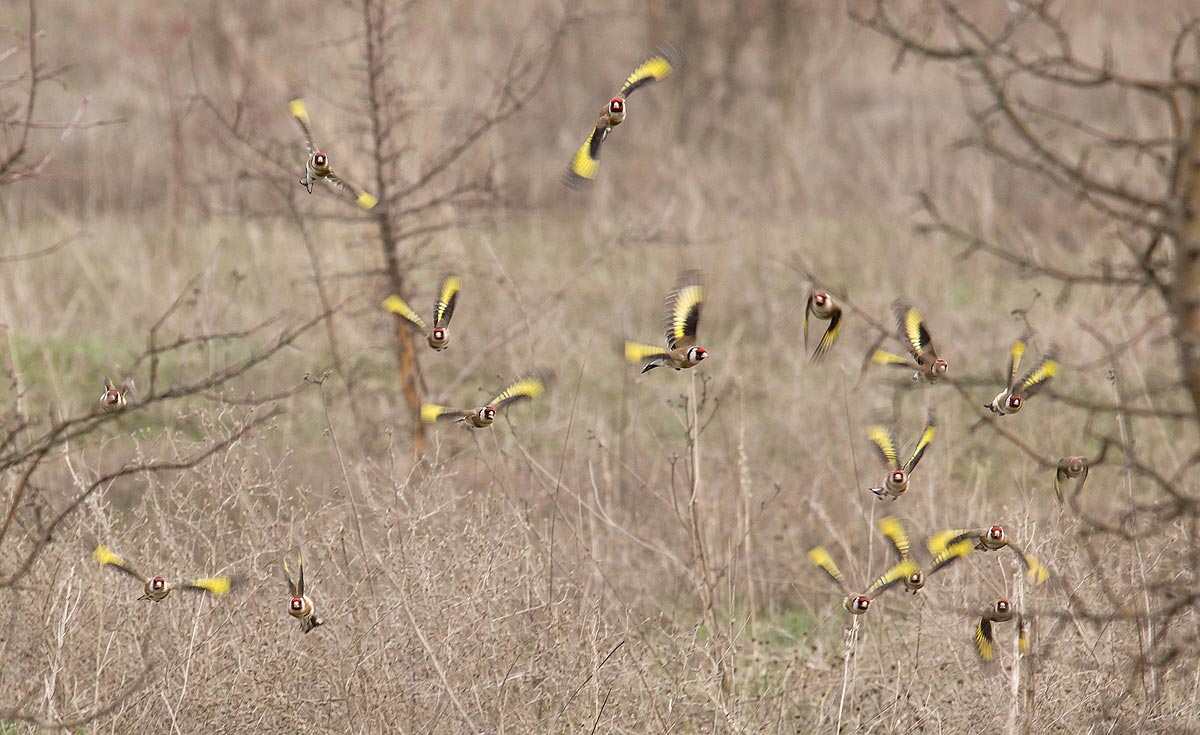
x=553, y=574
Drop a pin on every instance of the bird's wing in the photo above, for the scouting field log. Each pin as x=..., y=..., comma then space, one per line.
x=922, y=444
x=821, y=559
x=362, y=198
x=300, y=112
x=1037, y=378
x=893, y=529
x=1014, y=362
x=640, y=352
x=916, y=336
x=398, y=306
x=432, y=412
x=586, y=161
x=654, y=69
x=105, y=556
x=522, y=389
x=882, y=438
x=682, y=313
x=985, y=642
x=897, y=573
x=216, y=585
x=443, y=311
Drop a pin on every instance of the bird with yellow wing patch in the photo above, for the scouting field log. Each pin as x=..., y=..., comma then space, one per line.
x=681, y=320
x=907, y=568
x=895, y=483
x=300, y=606
x=439, y=336
x=586, y=161
x=524, y=389
x=156, y=588
x=854, y=603
x=317, y=167
x=822, y=306
x=999, y=611
x=915, y=336
x=991, y=538
x=1012, y=398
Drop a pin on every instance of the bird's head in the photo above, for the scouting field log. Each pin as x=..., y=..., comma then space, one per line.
x=996, y=533
x=487, y=414
x=915, y=581
x=821, y=299
x=157, y=584
x=320, y=160
x=858, y=605
x=1012, y=404
x=940, y=367
x=1075, y=466
x=296, y=604
x=616, y=106
x=696, y=354
x=897, y=477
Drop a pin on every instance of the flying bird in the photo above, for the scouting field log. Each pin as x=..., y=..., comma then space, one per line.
x=586, y=162
x=156, y=589
x=1071, y=468
x=896, y=482
x=906, y=567
x=681, y=320
x=300, y=606
x=1000, y=611
x=915, y=336
x=526, y=388
x=317, y=167
x=1014, y=395
x=822, y=306
x=114, y=398
x=992, y=538
x=854, y=604
x=438, y=337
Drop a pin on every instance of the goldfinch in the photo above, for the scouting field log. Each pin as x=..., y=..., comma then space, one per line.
x=1071, y=468
x=526, y=388
x=1013, y=397
x=895, y=483
x=300, y=606
x=586, y=162
x=916, y=338
x=992, y=538
x=681, y=320
x=438, y=337
x=1000, y=611
x=156, y=589
x=822, y=306
x=317, y=167
x=854, y=604
x=113, y=398
x=906, y=567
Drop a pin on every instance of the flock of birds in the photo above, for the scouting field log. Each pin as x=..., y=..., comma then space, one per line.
x=681, y=351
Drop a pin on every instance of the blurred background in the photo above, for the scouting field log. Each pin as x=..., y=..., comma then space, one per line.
x=627, y=553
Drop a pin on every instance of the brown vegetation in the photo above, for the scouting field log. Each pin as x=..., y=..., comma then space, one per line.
x=625, y=554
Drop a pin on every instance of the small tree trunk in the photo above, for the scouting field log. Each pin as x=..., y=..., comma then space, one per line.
x=1185, y=296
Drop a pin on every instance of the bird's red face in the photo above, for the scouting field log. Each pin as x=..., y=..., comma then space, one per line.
x=439, y=334
x=860, y=604
x=297, y=604
x=996, y=533
x=916, y=580
x=897, y=477
x=820, y=298
x=1013, y=404
x=940, y=367
x=616, y=106
x=488, y=413
x=1075, y=466
x=1001, y=606
x=112, y=397
x=696, y=354
x=157, y=584
x=320, y=160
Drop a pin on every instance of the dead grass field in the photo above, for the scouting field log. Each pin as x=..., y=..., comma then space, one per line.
x=584, y=566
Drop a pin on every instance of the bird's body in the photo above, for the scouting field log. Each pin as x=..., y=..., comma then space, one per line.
x=317, y=166
x=896, y=481
x=526, y=388
x=822, y=306
x=156, y=589
x=300, y=606
x=913, y=333
x=586, y=161
x=1071, y=468
x=992, y=538
x=1000, y=611
x=1012, y=398
x=113, y=398
x=438, y=337
x=681, y=321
